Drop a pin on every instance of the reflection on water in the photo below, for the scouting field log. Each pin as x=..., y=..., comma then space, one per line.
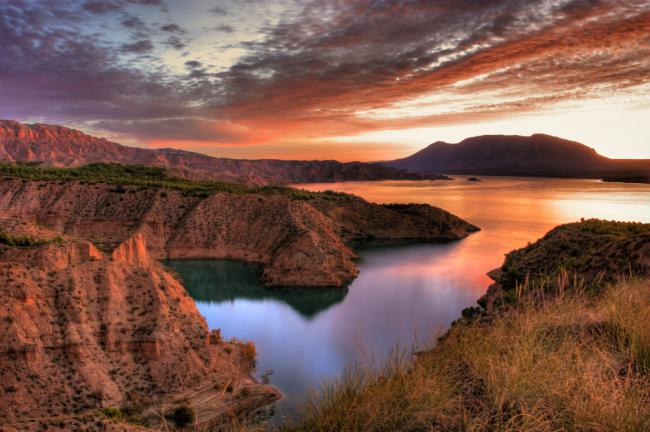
x=403, y=293
x=210, y=281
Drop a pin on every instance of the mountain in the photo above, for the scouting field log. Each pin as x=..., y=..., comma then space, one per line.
x=535, y=155
x=60, y=146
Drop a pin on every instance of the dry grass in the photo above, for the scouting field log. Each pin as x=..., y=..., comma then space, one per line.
x=569, y=362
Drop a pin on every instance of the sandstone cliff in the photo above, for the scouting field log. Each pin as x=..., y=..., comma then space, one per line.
x=299, y=242
x=83, y=329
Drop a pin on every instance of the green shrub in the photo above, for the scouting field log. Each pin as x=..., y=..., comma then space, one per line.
x=26, y=241
x=181, y=416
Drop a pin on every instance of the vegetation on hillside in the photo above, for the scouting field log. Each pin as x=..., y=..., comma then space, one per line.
x=26, y=241
x=569, y=362
x=597, y=251
x=149, y=176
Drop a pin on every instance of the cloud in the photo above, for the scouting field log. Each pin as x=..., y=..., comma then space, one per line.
x=316, y=67
x=106, y=6
x=218, y=10
x=138, y=47
x=224, y=28
x=172, y=28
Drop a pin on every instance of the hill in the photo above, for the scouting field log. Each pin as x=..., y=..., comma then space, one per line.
x=60, y=146
x=536, y=155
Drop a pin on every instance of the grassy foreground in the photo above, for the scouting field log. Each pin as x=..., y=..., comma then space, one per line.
x=573, y=361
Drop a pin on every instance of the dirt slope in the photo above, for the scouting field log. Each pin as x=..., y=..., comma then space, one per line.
x=82, y=329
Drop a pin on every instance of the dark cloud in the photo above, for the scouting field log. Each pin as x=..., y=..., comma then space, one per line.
x=224, y=28
x=54, y=71
x=103, y=6
x=106, y=6
x=193, y=64
x=218, y=10
x=138, y=47
x=172, y=28
x=175, y=42
x=133, y=22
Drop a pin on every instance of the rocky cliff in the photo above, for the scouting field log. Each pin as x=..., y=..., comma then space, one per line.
x=300, y=240
x=59, y=146
x=82, y=329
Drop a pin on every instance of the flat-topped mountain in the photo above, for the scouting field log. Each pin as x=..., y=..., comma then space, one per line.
x=60, y=146
x=535, y=155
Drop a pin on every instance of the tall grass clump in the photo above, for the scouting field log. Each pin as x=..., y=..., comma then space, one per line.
x=573, y=361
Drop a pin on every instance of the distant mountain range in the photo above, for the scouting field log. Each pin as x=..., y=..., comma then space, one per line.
x=513, y=155
x=64, y=147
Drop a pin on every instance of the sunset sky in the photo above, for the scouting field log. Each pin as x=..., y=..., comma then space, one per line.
x=336, y=79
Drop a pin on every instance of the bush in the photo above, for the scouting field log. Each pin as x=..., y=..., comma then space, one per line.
x=26, y=241
x=181, y=416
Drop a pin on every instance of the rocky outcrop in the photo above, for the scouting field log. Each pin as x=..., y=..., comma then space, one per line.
x=59, y=146
x=82, y=329
x=593, y=252
x=299, y=242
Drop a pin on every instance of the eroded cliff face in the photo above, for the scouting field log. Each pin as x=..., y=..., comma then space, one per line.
x=89, y=318
x=298, y=242
x=64, y=147
x=83, y=329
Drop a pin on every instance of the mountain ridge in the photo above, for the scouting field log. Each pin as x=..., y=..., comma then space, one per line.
x=535, y=155
x=61, y=146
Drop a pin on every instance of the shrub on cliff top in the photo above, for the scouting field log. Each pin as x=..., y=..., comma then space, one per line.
x=181, y=416
x=26, y=241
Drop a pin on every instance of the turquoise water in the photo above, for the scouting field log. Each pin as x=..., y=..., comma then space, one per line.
x=404, y=294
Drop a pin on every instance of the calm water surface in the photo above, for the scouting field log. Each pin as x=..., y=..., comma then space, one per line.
x=404, y=294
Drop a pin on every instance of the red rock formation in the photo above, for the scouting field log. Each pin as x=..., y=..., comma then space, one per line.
x=63, y=147
x=80, y=329
x=298, y=242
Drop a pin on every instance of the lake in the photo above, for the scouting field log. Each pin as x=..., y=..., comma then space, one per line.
x=404, y=295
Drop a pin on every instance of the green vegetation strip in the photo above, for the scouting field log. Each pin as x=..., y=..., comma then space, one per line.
x=26, y=241
x=148, y=176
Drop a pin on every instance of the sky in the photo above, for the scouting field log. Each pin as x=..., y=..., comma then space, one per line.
x=335, y=79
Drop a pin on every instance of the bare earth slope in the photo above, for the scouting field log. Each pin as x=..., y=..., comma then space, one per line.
x=535, y=155
x=299, y=242
x=64, y=147
x=81, y=329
